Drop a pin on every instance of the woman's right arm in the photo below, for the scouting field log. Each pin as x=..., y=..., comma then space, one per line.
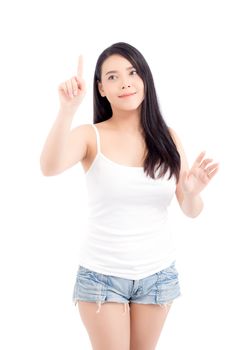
x=63, y=147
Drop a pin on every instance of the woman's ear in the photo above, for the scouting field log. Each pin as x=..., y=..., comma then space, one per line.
x=100, y=87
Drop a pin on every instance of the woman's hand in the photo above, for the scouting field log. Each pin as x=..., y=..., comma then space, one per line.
x=198, y=177
x=72, y=91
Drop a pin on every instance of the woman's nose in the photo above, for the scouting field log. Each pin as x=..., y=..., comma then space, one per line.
x=125, y=85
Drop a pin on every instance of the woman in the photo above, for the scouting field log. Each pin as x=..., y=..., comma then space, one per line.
x=134, y=165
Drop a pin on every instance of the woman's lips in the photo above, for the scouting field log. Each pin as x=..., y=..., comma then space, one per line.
x=127, y=95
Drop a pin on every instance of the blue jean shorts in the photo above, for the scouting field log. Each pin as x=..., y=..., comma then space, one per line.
x=160, y=288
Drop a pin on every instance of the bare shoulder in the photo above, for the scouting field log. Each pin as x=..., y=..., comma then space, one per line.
x=183, y=163
x=180, y=148
x=88, y=131
x=79, y=142
x=85, y=129
x=85, y=133
x=175, y=137
x=103, y=125
x=82, y=131
x=177, y=141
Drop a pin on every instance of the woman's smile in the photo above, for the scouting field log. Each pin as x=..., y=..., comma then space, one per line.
x=127, y=95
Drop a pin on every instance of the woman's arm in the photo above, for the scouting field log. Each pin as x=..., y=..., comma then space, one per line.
x=192, y=181
x=64, y=147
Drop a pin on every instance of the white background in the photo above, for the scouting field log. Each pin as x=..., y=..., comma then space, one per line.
x=188, y=47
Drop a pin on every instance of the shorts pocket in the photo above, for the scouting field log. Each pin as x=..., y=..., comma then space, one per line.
x=85, y=273
x=168, y=284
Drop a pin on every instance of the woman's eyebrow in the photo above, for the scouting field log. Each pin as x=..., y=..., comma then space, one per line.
x=115, y=71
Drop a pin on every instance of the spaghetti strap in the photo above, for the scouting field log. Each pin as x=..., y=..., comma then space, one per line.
x=97, y=138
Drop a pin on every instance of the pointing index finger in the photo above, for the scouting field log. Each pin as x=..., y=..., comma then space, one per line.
x=80, y=67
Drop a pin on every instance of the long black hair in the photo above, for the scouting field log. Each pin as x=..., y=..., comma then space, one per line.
x=162, y=154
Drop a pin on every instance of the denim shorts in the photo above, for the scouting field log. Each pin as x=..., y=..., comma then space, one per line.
x=160, y=288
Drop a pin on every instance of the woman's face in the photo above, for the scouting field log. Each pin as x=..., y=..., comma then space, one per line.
x=121, y=84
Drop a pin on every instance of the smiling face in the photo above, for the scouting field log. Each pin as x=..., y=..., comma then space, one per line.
x=121, y=84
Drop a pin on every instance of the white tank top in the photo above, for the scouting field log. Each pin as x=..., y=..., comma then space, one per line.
x=127, y=233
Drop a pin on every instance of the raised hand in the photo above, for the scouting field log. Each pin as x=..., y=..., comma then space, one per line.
x=200, y=174
x=72, y=91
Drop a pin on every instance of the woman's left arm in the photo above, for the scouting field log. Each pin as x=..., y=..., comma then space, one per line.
x=192, y=181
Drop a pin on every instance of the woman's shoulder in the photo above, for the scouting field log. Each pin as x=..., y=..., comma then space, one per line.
x=100, y=126
x=180, y=148
x=90, y=131
x=174, y=136
x=89, y=127
x=176, y=139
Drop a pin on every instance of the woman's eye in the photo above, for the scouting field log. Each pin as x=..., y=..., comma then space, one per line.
x=111, y=77
x=114, y=77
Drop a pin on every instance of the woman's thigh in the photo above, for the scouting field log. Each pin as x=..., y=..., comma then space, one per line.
x=146, y=324
x=108, y=329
